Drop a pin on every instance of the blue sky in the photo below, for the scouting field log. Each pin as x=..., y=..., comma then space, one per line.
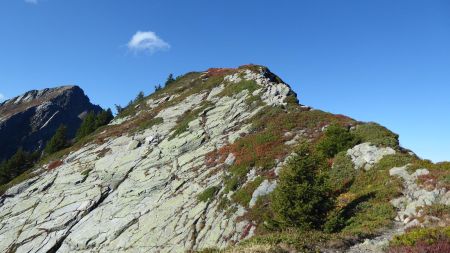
x=385, y=61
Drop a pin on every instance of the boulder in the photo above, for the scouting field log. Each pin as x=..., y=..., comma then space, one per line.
x=366, y=155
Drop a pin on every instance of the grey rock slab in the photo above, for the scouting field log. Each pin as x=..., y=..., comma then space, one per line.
x=366, y=155
x=141, y=195
x=265, y=188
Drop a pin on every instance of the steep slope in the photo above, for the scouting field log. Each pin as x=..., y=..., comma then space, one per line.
x=30, y=120
x=192, y=167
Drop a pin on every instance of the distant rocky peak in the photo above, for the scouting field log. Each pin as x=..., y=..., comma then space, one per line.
x=36, y=98
x=29, y=120
x=31, y=95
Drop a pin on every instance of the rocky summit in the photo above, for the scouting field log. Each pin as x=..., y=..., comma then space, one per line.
x=30, y=120
x=204, y=164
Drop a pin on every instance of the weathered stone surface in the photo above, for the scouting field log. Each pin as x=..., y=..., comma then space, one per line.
x=409, y=207
x=263, y=189
x=140, y=195
x=230, y=159
x=133, y=144
x=365, y=155
x=272, y=91
x=414, y=197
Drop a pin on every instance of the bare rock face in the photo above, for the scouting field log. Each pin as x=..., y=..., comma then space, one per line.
x=30, y=120
x=366, y=155
x=138, y=191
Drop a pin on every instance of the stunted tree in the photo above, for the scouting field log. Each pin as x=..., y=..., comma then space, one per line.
x=88, y=126
x=170, y=79
x=140, y=97
x=16, y=165
x=103, y=118
x=302, y=197
x=93, y=121
x=57, y=142
x=335, y=140
x=119, y=108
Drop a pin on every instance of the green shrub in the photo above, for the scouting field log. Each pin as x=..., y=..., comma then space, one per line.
x=149, y=123
x=342, y=174
x=208, y=194
x=88, y=126
x=169, y=80
x=377, y=135
x=139, y=97
x=231, y=183
x=335, y=140
x=427, y=235
x=396, y=160
x=103, y=118
x=302, y=197
x=369, y=216
x=363, y=206
x=244, y=195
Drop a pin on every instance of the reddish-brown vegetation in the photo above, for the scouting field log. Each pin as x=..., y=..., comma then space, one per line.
x=55, y=164
x=440, y=246
x=218, y=71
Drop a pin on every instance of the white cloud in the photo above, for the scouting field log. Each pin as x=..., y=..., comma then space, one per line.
x=31, y=1
x=2, y=97
x=147, y=42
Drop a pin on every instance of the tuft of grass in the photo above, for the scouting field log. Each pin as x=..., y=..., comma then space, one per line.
x=149, y=123
x=235, y=88
x=244, y=194
x=208, y=194
x=187, y=117
x=224, y=203
x=86, y=172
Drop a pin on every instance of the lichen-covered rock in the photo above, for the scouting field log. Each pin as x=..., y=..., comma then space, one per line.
x=365, y=155
x=272, y=92
x=137, y=191
x=415, y=197
x=263, y=189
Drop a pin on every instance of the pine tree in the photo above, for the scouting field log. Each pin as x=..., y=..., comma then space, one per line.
x=16, y=165
x=301, y=198
x=88, y=126
x=103, y=118
x=335, y=140
x=119, y=108
x=140, y=97
x=170, y=79
x=57, y=142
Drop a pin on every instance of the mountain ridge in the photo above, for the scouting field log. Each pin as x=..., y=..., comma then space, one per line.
x=206, y=162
